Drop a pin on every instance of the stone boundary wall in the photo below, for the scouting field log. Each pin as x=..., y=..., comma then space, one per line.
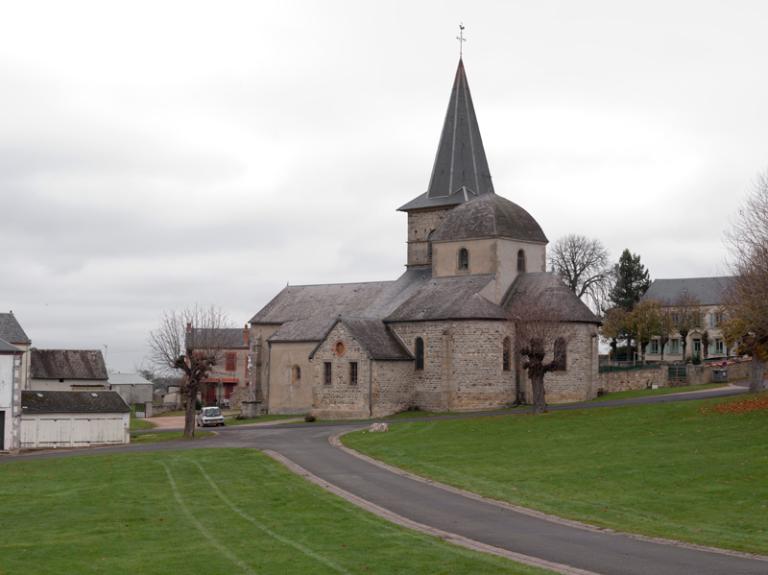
x=631, y=379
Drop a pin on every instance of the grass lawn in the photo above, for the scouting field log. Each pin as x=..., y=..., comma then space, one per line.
x=679, y=470
x=164, y=436
x=137, y=424
x=232, y=420
x=659, y=391
x=202, y=511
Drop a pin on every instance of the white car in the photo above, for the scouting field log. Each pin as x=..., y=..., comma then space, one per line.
x=210, y=416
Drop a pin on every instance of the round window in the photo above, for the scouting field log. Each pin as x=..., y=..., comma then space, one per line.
x=340, y=348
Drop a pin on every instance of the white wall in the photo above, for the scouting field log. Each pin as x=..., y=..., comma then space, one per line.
x=9, y=401
x=74, y=429
x=68, y=384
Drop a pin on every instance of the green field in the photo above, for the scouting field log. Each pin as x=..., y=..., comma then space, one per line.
x=160, y=436
x=206, y=512
x=671, y=470
x=232, y=420
x=659, y=391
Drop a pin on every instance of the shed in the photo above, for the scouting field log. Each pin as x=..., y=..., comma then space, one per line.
x=73, y=419
x=135, y=390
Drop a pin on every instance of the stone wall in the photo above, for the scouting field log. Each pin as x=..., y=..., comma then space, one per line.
x=462, y=364
x=420, y=224
x=631, y=379
x=577, y=382
x=287, y=394
x=341, y=398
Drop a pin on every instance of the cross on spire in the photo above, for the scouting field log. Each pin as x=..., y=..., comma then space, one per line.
x=461, y=40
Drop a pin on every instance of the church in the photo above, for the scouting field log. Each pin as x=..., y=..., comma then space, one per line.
x=439, y=337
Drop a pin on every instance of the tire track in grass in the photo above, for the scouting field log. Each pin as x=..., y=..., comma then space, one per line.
x=256, y=523
x=201, y=528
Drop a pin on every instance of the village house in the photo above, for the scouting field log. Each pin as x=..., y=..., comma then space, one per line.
x=10, y=396
x=439, y=337
x=226, y=385
x=67, y=370
x=705, y=298
x=12, y=332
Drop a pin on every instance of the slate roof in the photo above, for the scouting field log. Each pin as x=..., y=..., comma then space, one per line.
x=328, y=300
x=6, y=348
x=708, y=291
x=68, y=364
x=72, y=402
x=545, y=291
x=453, y=297
x=226, y=338
x=128, y=379
x=460, y=171
x=314, y=309
x=489, y=216
x=11, y=331
x=375, y=337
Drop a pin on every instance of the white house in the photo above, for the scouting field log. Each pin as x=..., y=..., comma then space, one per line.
x=12, y=332
x=73, y=419
x=10, y=390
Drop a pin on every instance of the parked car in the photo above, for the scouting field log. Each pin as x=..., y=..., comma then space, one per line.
x=210, y=416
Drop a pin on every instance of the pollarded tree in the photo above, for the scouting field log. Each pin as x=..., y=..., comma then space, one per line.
x=582, y=263
x=632, y=280
x=189, y=342
x=540, y=339
x=747, y=310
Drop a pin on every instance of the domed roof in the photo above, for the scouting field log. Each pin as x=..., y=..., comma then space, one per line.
x=489, y=215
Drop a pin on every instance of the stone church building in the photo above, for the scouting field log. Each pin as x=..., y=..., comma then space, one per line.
x=439, y=336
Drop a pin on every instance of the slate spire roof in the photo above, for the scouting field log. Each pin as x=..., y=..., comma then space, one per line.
x=461, y=169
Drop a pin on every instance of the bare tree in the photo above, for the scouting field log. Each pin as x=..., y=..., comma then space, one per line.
x=687, y=317
x=646, y=322
x=537, y=330
x=747, y=309
x=666, y=328
x=582, y=263
x=190, y=342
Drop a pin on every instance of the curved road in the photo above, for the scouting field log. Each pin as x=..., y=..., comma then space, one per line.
x=588, y=549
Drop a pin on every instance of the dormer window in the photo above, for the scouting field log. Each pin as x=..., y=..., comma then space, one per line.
x=463, y=262
x=521, y=261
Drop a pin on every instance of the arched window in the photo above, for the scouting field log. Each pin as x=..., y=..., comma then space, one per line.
x=506, y=354
x=429, y=246
x=521, y=261
x=463, y=259
x=419, y=353
x=561, y=354
x=296, y=374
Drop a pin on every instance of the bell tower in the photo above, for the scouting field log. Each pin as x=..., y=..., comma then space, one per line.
x=460, y=172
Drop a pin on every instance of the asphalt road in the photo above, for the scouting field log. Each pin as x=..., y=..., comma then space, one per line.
x=592, y=550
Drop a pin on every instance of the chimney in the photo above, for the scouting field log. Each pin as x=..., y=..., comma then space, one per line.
x=246, y=335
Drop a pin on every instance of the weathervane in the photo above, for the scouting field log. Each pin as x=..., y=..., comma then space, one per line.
x=461, y=40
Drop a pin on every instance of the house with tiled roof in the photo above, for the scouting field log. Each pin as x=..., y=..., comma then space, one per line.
x=707, y=299
x=226, y=385
x=440, y=336
x=68, y=370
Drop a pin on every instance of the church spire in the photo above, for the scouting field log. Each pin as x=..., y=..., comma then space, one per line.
x=460, y=172
x=460, y=164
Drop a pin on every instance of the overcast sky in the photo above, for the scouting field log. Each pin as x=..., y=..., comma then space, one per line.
x=154, y=155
